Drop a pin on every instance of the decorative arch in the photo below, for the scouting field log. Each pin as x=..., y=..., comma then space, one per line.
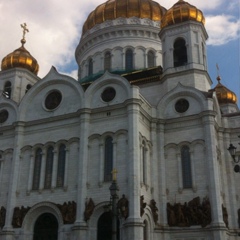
x=36, y=211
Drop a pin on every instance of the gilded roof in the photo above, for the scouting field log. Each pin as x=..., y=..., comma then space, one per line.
x=181, y=12
x=113, y=9
x=224, y=95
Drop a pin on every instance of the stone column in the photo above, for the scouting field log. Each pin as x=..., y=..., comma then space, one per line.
x=7, y=231
x=80, y=226
x=213, y=175
x=134, y=223
x=162, y=175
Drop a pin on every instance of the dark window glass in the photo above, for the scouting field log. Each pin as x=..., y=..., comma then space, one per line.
x=180, y=53
x=182, y=105
x=53, y=100
x=7, y=90
x=61, y=165
x=107, y=61
x=90, y=67
x=186, y=167
x=37, y=169
x=129, y=59
x=108, y=94
x=108, y=163
x=150, y=59
x=49, y=168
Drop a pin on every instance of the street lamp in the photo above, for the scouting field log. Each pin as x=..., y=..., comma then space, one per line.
x=114, y=198
x=232, y=151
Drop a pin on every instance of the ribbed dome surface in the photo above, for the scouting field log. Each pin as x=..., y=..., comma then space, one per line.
x=224, y=95
x=20, y=58
x=113, y=9
x=181, y=12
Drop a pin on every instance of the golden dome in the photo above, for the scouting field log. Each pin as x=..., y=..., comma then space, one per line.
x=224, y=95
x=181, y=12
x=113, y=9
x=20, y=58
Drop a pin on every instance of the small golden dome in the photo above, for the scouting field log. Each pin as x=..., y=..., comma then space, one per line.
x=181, y=12
x=113, y=9
x=20, y=58
x=224, y=95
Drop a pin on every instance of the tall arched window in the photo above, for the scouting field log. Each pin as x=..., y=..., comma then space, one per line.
x=7, y=90
x=150, y=59
x=90, y=67
x=61, y=165
x=186, y=167
x=108, y=159
x=28, y=87
x=49, y=168
x=107, y=61
x=129, y=59
x=37, y=169
x=180, y=52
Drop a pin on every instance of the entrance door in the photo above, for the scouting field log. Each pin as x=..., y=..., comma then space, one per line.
x=46, y=227
x=104, y=230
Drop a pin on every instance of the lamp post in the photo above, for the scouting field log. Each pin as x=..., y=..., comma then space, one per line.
x=232, y=151
x=114, y=198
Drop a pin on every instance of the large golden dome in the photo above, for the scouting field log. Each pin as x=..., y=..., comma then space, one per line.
x=181, y=12
x=113, y=9
x=20, y=58
x=224, y=95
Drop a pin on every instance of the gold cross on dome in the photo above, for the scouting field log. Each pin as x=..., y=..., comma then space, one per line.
x=24, y=27
x=114, y=174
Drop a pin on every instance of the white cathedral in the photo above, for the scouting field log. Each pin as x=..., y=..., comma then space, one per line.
x=143, y=106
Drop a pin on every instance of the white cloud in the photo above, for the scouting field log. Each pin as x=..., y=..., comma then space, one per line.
x=222, y=29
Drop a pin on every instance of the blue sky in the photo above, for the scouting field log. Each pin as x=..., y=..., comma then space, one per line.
x=55, y=29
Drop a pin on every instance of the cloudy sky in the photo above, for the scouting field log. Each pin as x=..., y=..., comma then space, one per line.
x=55, y=29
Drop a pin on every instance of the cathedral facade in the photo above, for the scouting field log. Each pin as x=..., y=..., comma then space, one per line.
x=143, y=115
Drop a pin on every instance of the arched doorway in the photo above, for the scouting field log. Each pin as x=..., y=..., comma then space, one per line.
x=46, y=227
x=104, y=230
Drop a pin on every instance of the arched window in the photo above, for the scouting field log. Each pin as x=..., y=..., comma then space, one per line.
x=90, y=67
x=108, y=159
x=28, y=87
x=150, y=59
x=186, y=167
x=129, y=59
x=37, y=169
x=107, y=61
x=46, y=227
x=61, y=165
x=7, y=90
x=49, y=168
x=180, y=53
